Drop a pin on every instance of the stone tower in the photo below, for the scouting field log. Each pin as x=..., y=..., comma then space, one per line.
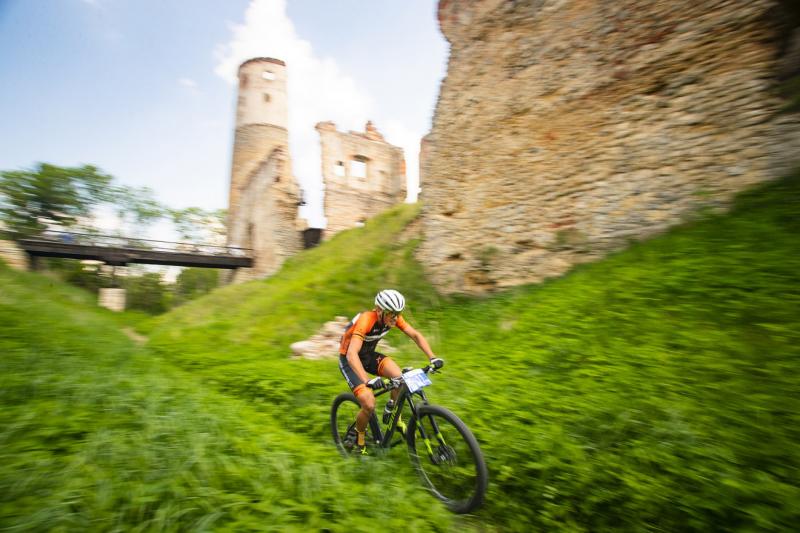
x=363, y=175
x=261, y=119
x=262, y=208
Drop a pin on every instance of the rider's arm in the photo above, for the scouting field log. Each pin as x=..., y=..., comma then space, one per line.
x=417, y=337
x=353, y=359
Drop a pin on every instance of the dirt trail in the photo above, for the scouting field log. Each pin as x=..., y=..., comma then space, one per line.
x=135, y=337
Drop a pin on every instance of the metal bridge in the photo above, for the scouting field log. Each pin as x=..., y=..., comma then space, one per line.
x=120, y=251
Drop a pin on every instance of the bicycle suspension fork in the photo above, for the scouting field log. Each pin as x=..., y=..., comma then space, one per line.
x=421, y=428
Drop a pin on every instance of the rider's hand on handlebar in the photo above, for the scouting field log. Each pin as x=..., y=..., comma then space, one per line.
x=376, y=383
x=437, y=363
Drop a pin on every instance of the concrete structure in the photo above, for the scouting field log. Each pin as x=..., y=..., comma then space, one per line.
x=113, y=299
x=13, y=255
x=565, y=128
x=363, y=175
x=264, y=195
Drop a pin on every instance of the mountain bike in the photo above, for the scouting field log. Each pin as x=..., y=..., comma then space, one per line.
x=443, y=450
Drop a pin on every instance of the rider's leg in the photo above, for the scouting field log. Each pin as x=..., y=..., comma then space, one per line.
x=388, y=368
x=363, y=394
x=367, y=401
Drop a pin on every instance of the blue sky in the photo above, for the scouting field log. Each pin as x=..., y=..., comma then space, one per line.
x=144, y=88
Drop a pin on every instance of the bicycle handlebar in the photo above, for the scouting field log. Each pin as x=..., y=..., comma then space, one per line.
x=393, y=383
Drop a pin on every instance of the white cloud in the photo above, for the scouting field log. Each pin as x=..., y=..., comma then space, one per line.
x=317, y=88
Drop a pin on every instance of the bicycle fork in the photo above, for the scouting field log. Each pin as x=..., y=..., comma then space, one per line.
x=436, y=459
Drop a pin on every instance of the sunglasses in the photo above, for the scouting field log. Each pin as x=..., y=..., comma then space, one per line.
x=391, y=314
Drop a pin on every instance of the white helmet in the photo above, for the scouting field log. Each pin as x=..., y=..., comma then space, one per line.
x=390, y=300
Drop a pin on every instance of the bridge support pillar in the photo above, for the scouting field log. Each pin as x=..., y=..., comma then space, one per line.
x=113, y=299
x=34, y=263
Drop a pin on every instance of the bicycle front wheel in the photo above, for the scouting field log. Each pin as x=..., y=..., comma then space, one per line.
x=448, y=458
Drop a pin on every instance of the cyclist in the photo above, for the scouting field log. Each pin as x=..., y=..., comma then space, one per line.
x=357, y=354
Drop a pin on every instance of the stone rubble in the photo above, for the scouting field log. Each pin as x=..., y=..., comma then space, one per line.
x=325, y=343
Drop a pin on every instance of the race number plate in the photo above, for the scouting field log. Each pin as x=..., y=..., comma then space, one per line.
x=416, y=379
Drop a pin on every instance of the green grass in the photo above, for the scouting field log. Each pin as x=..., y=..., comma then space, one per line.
x=655, y=390
x=97, y=434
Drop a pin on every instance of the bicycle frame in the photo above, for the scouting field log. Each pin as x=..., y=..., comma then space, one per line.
x=455, y=483
x=404, y=396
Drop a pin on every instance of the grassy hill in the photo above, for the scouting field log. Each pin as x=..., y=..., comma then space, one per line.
x=97, y=434
x=655, y=390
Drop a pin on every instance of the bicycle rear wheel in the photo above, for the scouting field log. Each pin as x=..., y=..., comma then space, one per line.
x=448, y=458
x=343, y=424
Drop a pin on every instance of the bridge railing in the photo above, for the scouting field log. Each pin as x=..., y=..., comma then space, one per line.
x=113, y=241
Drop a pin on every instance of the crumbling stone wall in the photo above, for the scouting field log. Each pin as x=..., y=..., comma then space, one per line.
x=266, y=220
x=252, y=144
x=565, y=128
x=349, y=198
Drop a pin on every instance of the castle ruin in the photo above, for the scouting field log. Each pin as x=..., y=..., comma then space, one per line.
x=566, y=128
x=362, y=173
x=264, y=196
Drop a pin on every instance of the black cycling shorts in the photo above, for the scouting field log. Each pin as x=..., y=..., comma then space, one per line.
x=371, y=363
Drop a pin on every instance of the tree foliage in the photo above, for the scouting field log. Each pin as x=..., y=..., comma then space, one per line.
x=194, y=282
x=200, y=225
x=48, y=195
x=54, y=197
x=146, y=292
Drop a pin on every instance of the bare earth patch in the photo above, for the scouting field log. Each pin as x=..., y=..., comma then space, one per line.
x=135, y=337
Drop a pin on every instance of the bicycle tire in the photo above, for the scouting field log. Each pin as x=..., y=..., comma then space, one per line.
x=341, y=420
x=430, y=471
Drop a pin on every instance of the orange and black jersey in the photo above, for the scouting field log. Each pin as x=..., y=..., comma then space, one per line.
x=367, y=326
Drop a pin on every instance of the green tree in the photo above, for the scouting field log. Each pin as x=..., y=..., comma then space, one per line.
x=194, y=282
x=50, y=196
x=200, y=226
x=146, y=293
x=88, y=275
x=136, y=208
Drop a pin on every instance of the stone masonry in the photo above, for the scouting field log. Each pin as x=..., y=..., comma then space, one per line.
x=266, y=218
x=264, y=195
x=261, y=119
x=363, y=175
x=566, y=128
